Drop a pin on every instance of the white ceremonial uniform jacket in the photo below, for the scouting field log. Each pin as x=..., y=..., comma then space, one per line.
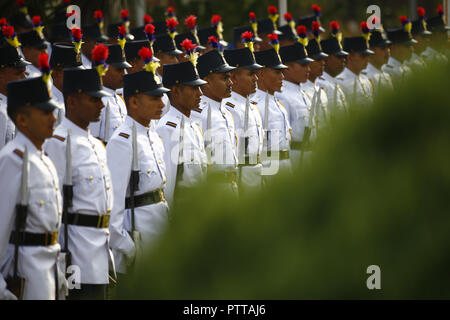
x=430, y=55
x=60, y=112
x=92, y=195
x=250, y=174
x=36, y=263
x=416, y=62
x=117, y=109
x=396, y=69
x=278, y=125
x=378, y=77
x=336, y=101
x=194, y=155
x=32, y=72
x=223, y=135
x=7, y=127
x=150, y=219
x=321, y=113
x=364, y=89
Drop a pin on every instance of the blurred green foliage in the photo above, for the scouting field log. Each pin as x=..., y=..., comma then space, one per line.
x=374, y=193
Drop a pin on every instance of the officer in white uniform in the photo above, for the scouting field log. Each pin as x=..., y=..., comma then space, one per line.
x=219, y=132
x=244, y=84
x=421, y=33
x=144, y=103
x=63, y=57
x=294, y=97
x=270, y=79
x=92, y=35
x=356, y=86
x=334, y=64
x=115, y=111
x=185, y=162
x=439, y=39
x=12, y=67
x=88, y=218
x=379, y=44
x=316, y=83
x=31, y=198
x=401, y=51
x=32, y=46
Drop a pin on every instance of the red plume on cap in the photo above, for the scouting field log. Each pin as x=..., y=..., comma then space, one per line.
x=403, y=19
x=36, y=21
x=149, y=29
x=191, y=21
x=3, y=22
x=43, y=62
x=272, y=10
x=76, y=34
x=440, y=10
x=124, y=15
x=20, y=3
x=171, y=24
x=288, y=17
x=147, y=19
x=273, y=37
x=170, y=11
x=8, y=31
x=334, y=26
x=252, y=16
x=146, y=54
x=122, y=31
x=100, y=53
x=315, y=26
x=301, y=31
x=317, y=10
x=67, y=2
x=247, y=36
x=98, y=14
x=213, y=42
x=188, y=46
x=364, y=27
x=216, y=19
x=420, y=12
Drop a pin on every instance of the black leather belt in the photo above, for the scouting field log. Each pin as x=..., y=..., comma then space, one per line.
x=35, y=239
x=300, y=146
x=85, y=220
x=146, y=199
x=280, y=155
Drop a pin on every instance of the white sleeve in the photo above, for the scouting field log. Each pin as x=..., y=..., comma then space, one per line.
x=10, y=171
x=56, y=151
x=3, y=128
x=170, y=159
x=119, y=159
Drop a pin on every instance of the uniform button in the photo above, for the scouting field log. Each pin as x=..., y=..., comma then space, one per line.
x=57, y=188
x=103, y=165
x=107, y=232
x=108, y=211
x=60, y=212
x=159, y=161
x=192, y=159
x=91, y=178
x=164, y=181
x=41, y=203
x=108, y=187
x=148, y=171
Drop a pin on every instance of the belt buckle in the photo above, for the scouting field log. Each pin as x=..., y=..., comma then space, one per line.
x=161, y=195
x=103, y=221
x=53, y=238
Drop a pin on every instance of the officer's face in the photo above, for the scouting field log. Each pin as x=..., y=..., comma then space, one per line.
x=144, y=108
x=317, y=68
x=244, y=81
x=358, y=61
x=37, y=123
x=219, y=86
x=272, y=79
x=296, y=72
x=113, y=78
x=334, y=64
x=87, y=107
x=13, y=74
x=381, y=55
x=188, y=97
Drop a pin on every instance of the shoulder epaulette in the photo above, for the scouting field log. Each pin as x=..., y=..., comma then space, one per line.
x=59, y=138
x=171, y=124
x=254, y=102
x=339, y=79
x=198, y=110
x=125, y=135
x=389, y=66
x=18, y=152
x=230, y=104
x=322, y=78
x=364, y=72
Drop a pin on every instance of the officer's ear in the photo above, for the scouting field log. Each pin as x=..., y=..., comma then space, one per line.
x=132, y=103
x=21, y=117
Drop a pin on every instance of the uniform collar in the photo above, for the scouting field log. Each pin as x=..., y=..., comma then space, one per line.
x=372, y=68
x=210, y=102
x=238, y=98
x=262, y=94
x=110, y=91
x=22, y=140
x=74, y=129
x=291, y=86
x=328, y=78
x=349, y=73
x=119, y=92
x=129, y=121
x=177, y=114
x=394, y=62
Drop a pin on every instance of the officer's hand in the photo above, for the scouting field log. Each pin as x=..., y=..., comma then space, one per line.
x=7, y=295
